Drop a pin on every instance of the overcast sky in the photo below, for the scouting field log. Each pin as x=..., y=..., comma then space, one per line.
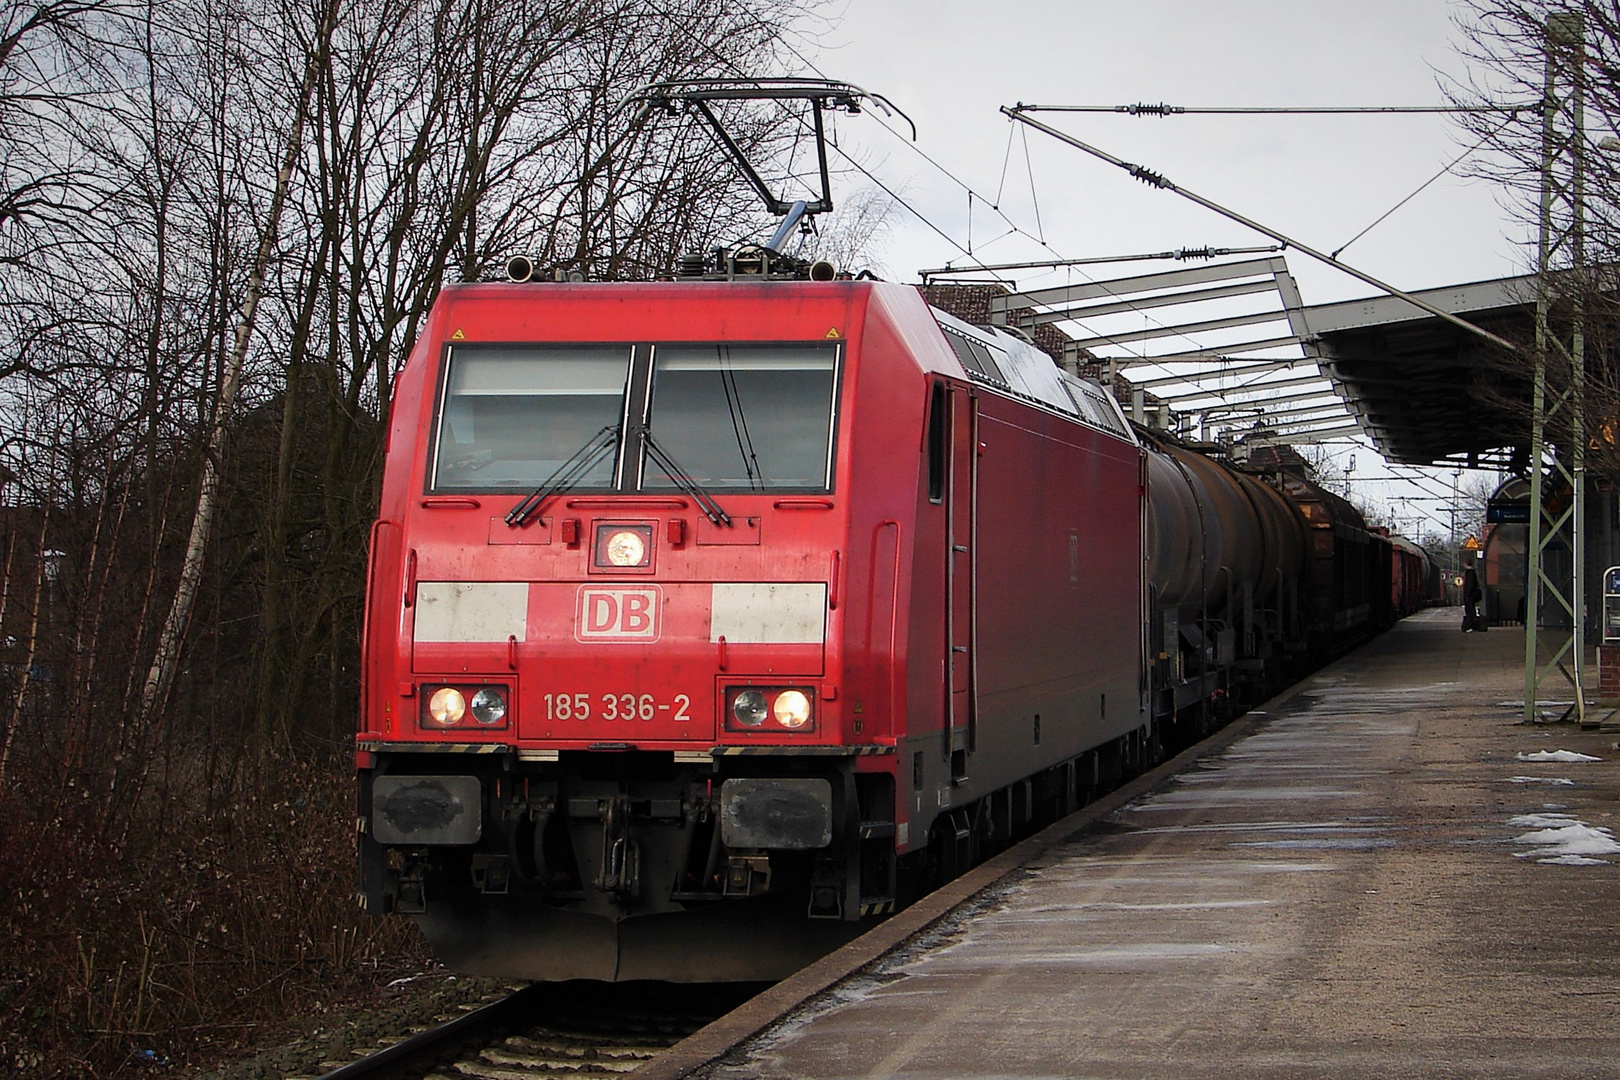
x=950, y=64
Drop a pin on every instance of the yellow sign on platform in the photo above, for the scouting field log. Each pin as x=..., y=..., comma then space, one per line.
x=1471, y=544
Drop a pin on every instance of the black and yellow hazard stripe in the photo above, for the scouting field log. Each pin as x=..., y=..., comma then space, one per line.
x=800, y=751
x=435, y=748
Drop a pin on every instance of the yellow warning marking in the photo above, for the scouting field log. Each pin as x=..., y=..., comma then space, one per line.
x=458, y=336
x=833, y=333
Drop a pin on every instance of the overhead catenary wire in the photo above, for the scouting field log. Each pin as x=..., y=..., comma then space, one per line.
x=1256, y=382
x=1013, y=227
x=1247, y=380
x=1157, y=180
x=1180, y=254
x=1161, y=109
x=1062, y=263
x=1410, y=474
x=1143, y=109
x=1458, y=160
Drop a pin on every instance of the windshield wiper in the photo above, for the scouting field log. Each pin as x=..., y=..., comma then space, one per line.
x=567, y=475
x=684, y=481
x=739, y=422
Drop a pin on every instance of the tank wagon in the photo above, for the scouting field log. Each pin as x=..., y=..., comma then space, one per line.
x=710, y=620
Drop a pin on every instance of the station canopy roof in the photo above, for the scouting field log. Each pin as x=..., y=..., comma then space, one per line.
x=1233, y=353
x=1423, y=388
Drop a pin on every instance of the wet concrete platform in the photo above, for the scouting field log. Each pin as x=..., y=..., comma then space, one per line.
x=1371, y=882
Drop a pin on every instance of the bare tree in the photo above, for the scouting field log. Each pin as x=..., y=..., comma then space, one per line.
x=190, y=465
x=515, y=136
x=155, y=691
x=1529, y=138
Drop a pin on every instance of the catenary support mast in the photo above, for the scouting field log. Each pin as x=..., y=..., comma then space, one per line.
x=1555, y=585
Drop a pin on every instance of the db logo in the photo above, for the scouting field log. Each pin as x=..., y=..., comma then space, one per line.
x=617, y=614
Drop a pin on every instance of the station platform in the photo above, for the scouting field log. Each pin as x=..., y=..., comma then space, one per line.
x=1371, y=881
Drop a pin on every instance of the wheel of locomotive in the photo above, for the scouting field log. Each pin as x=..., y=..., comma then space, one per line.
x=1110, y=765
x=1130, y=754
x=1001, y=824
x=985, y=831
x=951, y=846
x=526, y=850
x=939, y=861
x=1085, y=779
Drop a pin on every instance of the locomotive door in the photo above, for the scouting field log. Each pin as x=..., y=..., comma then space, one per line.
x=961, y=515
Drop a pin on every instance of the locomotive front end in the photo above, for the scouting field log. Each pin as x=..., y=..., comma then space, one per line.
x=604, y=682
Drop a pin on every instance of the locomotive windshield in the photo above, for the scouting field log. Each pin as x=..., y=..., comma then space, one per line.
x=734, y=417
x=751, y=417
x=512, y=415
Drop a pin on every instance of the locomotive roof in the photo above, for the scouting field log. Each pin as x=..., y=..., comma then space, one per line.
x=1018, y=368
x=987, y=355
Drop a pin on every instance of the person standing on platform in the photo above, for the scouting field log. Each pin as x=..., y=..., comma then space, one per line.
x=1471, y=598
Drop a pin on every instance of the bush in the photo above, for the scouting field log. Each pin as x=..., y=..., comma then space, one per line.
x=184, y=927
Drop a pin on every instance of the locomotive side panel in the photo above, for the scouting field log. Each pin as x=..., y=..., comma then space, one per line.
x=1058, y=542
x=385, y=652
x=892, y=523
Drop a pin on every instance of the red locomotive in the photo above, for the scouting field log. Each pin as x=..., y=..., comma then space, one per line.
x=709, y=619
x=686, y=598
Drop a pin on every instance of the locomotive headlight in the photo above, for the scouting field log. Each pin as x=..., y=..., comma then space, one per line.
x=489, y=706
x=447, y=706
x=791, y=709
x=620, y=546
x=749, y=708
x=626, y=548
x=771, y=709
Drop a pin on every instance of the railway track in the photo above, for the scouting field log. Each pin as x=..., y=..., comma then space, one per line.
x=592, y=1029
x=551, y=1029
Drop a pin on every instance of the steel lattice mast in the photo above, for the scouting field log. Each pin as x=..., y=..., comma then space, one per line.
x=1555, y=587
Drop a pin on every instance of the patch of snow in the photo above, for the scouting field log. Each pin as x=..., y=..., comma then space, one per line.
x=1564, y=838
x=1555, y=755
x=1573, y=860
x=1555, y=780
x=1541, y=821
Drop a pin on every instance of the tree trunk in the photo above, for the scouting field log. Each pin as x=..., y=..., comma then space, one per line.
x=160, y=676
x=20, y=698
